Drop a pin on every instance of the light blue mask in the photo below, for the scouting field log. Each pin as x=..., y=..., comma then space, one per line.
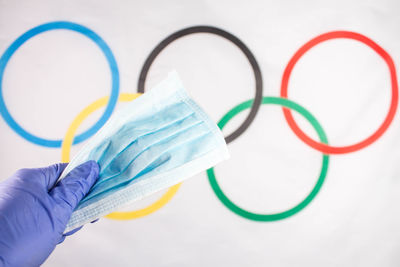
x=158, y=140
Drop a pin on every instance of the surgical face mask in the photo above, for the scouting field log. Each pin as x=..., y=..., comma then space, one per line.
x=158, y=140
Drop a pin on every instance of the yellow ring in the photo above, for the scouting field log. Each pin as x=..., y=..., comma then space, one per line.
x=65, y=157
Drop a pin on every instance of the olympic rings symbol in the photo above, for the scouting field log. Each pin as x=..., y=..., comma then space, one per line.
x=253, y=105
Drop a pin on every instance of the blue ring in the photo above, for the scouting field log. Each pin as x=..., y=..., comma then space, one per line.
x=111, y=62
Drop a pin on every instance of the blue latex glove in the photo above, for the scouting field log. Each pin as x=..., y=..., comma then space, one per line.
x=34, y=211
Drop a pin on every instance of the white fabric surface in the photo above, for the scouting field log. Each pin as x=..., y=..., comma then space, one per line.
x=353, y=221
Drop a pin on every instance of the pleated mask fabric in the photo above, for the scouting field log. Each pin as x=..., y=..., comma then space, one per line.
x=158, y=140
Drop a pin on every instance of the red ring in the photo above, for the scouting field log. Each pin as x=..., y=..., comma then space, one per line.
x=327, y=149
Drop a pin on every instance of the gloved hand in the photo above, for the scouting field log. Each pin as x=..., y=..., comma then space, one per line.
x=34, y=211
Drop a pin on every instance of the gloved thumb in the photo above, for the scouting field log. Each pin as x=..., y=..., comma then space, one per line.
x=70, y=190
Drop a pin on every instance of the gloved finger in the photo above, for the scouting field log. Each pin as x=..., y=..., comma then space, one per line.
x=69, y=233
x=51, y=174
x=44, y=177
x=62, y=238
x=70, y=190
x=73, y=231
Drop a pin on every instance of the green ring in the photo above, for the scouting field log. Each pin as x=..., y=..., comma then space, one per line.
x=290, y=212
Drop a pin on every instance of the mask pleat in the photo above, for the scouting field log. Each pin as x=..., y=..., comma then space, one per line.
x=140, y=145
x=140, y=151
x=157, y=163
x=139, y=155
x=152, y=123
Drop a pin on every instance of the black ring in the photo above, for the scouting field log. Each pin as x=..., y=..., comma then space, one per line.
x=209, y=29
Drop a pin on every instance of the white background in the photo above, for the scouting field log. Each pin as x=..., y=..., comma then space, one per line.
x=353, y=221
